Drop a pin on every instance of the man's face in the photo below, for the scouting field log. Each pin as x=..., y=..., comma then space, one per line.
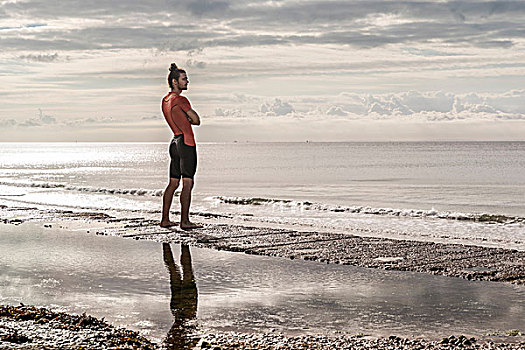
x=183, y=82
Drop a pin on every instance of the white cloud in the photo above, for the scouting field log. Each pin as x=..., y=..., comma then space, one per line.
x=336, y=110
x=387, y=105
x=510, y=102
x=234, y=112
x=411, y=105
x=46, y=119
x=435, y=101
x=276, y=108
x=433, y=105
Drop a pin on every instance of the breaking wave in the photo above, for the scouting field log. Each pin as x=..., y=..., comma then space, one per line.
x=449, y=215
x=131, y=191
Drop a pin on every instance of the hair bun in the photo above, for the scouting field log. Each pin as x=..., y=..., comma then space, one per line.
x=173, y=67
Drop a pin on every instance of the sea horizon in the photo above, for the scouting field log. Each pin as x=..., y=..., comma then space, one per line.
x=305, y=141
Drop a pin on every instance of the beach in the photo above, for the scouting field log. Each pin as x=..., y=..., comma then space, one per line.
x=270, y=175
x=353, y=245
x=454, y=261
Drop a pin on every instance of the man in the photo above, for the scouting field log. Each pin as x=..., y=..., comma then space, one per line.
x=183, y=152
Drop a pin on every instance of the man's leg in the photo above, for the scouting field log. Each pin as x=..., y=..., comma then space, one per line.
x=167, y=198
x=185, y=201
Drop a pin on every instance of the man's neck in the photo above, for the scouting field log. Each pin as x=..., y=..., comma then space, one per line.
x=176, y=91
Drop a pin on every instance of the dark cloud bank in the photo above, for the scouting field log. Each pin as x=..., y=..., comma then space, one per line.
x=186, y=25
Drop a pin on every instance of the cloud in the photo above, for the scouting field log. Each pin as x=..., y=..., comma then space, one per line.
x=91, y=121
x=40, y=58
x=430, y=106
x=435, y=105
x=46, y=119
x=225, y=112
x=427, y=105
x=153, y=117
x=20, y=27
x=510, y=102
x=6, y=123
x=195, y=64
x=42, y=119
x=216, y=23
x=387, y=105
x=29, y=123
x=276, y=108
x=396, y=60
x=336, y=110
x=430, y=52
x=205, y=7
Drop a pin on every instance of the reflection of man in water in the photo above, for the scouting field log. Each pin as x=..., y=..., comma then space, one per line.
x=183, y=300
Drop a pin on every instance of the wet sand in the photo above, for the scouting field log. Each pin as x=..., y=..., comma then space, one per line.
x=453, y=260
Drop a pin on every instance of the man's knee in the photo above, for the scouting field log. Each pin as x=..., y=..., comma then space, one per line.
x=173, y=183
x=187, y=183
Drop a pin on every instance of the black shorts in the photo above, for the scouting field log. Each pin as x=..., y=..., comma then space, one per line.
x=183, y=158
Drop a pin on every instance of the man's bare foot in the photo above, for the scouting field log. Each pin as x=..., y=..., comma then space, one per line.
x=166, y=224
x=189, y=226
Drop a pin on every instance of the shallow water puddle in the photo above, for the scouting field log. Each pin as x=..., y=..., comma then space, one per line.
x=169, y=291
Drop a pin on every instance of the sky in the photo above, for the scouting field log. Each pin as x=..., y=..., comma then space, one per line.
x=283, y=70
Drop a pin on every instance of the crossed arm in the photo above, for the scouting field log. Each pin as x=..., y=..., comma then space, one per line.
x=193, y=117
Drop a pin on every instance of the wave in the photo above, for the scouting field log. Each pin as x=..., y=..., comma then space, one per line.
x=475, y=217
x=132, y=191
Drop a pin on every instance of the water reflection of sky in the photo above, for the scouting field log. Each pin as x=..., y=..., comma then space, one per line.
x=153, y=287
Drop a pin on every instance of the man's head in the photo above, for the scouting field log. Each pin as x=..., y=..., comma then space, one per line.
x=177, y=79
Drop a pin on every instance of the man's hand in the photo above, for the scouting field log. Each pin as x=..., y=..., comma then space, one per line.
x=193, y=117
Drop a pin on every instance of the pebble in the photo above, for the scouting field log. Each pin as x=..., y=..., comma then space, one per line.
x=20, y=329
x=273, y=341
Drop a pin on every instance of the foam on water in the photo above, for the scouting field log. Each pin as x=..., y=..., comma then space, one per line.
x=415, y=213
x=57, y=185
x=426, y=225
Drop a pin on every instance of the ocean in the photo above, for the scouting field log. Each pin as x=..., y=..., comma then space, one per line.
x=455, y=192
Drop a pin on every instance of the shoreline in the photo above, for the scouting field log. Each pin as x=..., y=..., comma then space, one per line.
x=470, y=262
